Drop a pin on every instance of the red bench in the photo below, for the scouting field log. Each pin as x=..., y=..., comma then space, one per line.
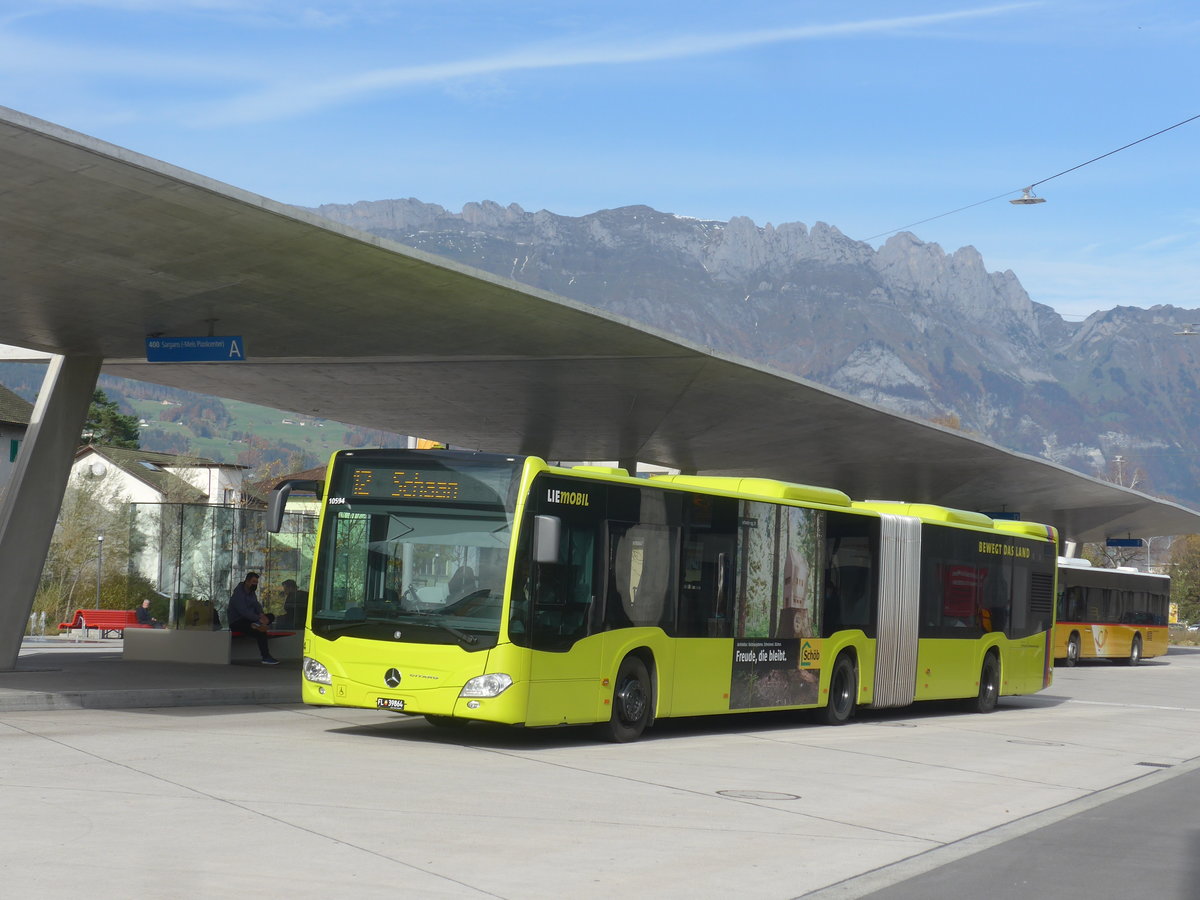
x=109, y=622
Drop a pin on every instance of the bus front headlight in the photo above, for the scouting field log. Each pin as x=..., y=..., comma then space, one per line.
x=315, y=671
x=486, y=685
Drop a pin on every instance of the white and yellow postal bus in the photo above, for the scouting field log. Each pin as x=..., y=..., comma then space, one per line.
x=1119, y=614
x=475, y=587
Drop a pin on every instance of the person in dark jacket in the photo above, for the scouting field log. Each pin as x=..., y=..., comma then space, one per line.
x=246, y=615
x=295, y=606
x=144, y=617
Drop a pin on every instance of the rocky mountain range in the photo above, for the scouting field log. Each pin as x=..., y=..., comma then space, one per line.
x=910, y=327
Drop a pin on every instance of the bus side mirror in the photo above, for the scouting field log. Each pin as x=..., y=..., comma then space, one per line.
x=546, y=533
x=279, y=498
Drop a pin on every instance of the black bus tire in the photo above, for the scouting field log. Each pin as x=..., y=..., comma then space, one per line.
x=1135, y=651
x=632, y=702
x=989, y=685
x=843, y=692
x=1073, y=650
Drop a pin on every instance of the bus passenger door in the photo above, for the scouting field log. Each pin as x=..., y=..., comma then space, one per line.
x=564, y=668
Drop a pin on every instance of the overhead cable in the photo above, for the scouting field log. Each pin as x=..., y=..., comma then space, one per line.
x=1034, y=184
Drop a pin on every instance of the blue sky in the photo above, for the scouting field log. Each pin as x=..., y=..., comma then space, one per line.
x=868, y=116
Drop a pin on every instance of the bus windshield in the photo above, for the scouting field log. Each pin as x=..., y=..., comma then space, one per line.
x=415, y=553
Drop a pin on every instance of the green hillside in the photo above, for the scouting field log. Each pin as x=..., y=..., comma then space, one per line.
x=248, y=434
x=269, y=441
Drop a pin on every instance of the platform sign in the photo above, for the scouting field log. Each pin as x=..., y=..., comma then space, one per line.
x=1124, y=542
x=229, y=348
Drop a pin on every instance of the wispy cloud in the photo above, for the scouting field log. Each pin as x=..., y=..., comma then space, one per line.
x=271, y=14
x=32, y=57
x=294, y=98
x=1166, y=240
x=209, y=7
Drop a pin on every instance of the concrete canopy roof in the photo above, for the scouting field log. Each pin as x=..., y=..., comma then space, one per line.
x=101, y=247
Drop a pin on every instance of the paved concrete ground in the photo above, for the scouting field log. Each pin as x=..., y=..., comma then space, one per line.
x=280, y=799
x=60, y=673
x=1142, y=844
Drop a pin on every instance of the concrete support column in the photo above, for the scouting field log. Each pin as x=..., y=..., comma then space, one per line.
x=35, y=493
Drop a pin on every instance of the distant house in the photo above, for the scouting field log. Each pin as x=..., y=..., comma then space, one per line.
x=187, y=513
x=15, y=414
x=144, y=476
x=299, y=501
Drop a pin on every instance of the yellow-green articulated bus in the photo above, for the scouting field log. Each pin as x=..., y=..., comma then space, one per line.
x=477, y=587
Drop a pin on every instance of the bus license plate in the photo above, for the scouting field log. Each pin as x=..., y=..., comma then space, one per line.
x=389, y=703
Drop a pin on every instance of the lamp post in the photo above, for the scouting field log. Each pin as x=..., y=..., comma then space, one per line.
x=99, y=566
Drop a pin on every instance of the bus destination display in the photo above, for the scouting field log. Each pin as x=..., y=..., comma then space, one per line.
x=406, y=484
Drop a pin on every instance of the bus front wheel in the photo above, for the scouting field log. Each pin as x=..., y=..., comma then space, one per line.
x=843, y=692
x=631, y=703
x=1135, y=651
x=989, y=685
x=1073, y=650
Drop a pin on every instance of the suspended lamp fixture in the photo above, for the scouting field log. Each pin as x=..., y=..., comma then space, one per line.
x=1027, y=197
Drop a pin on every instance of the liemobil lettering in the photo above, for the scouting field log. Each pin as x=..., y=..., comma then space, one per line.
x=568, y=498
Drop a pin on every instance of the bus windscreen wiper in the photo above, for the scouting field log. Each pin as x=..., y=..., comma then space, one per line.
x=461, y=635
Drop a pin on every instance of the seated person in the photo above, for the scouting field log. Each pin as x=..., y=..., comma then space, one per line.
x=144, y=617
x=295, y=606
x=246, y=615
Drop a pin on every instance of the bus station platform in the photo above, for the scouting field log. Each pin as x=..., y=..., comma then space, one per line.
x=1087, y=789
x=57, y=673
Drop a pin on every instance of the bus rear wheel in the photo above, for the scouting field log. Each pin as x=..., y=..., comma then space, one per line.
x=631, y=703
x=843, y=692
x=1073, y=650
x=1135, y=651
x=989, y=685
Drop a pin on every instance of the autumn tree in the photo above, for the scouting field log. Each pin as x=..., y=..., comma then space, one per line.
x=1105, y=557
x=1126, y=472
x=1185, y=577
x=79, y=565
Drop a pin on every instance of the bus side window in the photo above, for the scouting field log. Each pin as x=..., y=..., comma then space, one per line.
x=706, y=569
x=1076, y=604
x=851, y=554
x=643, y=561
x=562, y=593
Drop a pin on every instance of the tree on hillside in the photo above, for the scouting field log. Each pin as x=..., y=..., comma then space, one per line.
x=1126, y=472
x=107, y=425
x=1185, y=577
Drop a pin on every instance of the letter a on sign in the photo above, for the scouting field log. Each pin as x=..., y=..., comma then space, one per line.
x=235, y=349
